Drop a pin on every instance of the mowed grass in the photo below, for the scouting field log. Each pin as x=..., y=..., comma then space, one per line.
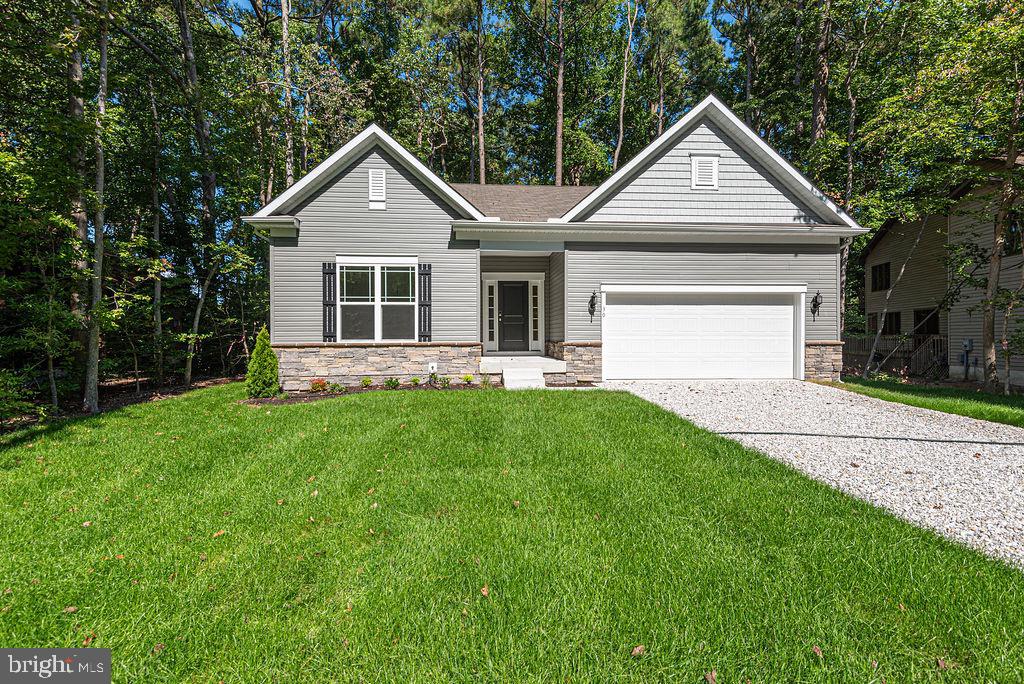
x=353, y=539
x=973, y=403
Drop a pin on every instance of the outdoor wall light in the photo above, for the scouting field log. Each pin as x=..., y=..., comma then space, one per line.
x=815, y=305
x=592, y=306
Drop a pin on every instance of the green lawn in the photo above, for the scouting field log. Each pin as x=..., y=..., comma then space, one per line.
x=963, y=402
x=359, y=534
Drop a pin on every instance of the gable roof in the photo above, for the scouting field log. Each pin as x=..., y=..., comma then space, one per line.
x=523, y=202
x=373, y=135
x=714, y=109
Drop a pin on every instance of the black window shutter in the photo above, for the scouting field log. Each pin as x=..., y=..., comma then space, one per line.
x=424, y=303
x=330, y=301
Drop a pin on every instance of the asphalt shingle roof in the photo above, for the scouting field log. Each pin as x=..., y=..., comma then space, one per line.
x=523, y=202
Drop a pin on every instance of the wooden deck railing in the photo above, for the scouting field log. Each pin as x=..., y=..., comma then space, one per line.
x=917, y=355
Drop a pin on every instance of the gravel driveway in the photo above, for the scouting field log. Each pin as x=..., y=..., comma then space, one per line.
x=959, y=476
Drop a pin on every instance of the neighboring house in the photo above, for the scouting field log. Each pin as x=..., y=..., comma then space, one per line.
x=921, y=304
x=706, y=256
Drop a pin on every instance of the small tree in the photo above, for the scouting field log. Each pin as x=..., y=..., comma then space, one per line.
x=261, y=379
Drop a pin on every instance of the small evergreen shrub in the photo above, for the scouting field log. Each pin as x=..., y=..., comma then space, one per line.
x=366, y=382
x=335, y=388
x=468, y=379
x=446, y=382
x=391, y=383
x=414, y=382
x=317, y=385
x=261, y=376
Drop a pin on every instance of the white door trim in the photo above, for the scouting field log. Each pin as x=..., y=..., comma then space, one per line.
x=533, y=279
x=797, y=290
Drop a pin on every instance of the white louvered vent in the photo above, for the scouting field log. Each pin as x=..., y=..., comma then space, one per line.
x=704, y=173
x=378, y=189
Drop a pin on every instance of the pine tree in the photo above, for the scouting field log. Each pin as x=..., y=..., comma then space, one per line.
x=261, y=379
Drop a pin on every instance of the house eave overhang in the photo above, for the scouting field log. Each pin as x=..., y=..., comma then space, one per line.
x=274, y=226
x=510, y=231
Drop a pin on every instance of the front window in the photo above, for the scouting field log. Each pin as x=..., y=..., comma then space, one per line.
x=376, y=299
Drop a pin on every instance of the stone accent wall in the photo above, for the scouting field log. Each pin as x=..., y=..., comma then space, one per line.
x=823, y=359
x=582, y=360
x=347, y=364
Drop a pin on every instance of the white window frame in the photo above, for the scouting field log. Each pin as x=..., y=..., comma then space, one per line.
x=695, y=159
x=532, y=279
x=377, y=202
x=376, y=263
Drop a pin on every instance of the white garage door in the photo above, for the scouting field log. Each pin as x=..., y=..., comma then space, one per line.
x=673, y=336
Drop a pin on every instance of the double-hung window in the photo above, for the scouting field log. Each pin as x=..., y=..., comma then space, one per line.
x=377, y=299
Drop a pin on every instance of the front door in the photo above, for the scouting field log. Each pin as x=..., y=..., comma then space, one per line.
x=513, y=316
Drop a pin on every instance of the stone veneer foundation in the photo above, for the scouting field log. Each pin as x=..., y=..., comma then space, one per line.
x=823, y=359
x=347, y=364
x=582, y=360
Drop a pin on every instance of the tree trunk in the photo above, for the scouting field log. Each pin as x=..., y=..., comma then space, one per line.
x=631, y=16
x=885, y=309
x=289, y=158
x=798, y=63
x=208, y=177
x=661, y=94
x=560, y=95
x=197, y=314
x=1007, y=198
x=821, y=69
x=158, y=316
x=90, y=402
x=480, y=63
x=76, y=112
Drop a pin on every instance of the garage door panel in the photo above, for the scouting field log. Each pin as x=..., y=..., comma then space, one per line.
x=652, y=336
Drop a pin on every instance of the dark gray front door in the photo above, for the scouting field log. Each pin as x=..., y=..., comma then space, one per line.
x=513, y=316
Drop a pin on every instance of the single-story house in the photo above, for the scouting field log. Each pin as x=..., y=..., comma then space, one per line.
x=926, y=303
x=706, y=256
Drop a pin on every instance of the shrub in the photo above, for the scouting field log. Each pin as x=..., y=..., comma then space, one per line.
x=468, y=379
x=317, y=385
x=446, y=382
x=335, y=388
x=366, y=381
x=432, y=379
x=14, y=398
x=261, y=377
x=391, y=383
x=414, y=381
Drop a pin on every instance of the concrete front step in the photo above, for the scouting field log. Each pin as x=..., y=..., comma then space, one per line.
x=522, y=378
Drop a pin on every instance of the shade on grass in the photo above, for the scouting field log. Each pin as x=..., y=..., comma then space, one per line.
x=963, y=402
x=360, y=532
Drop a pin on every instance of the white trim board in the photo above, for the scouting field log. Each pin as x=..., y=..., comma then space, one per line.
x=715, y=109
x=372, y=135
x=706, y=288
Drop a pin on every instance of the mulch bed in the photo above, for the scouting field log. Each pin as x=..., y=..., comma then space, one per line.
x=304, y=397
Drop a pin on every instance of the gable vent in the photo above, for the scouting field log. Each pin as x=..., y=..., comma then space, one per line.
x=378, y=189
x=704, y=173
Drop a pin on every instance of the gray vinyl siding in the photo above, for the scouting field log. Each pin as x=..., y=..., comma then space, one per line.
x=554, y=305
x=588, y=265
x=747, y=192
x=973, y=220
x=337, y=220
x=923, y=285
